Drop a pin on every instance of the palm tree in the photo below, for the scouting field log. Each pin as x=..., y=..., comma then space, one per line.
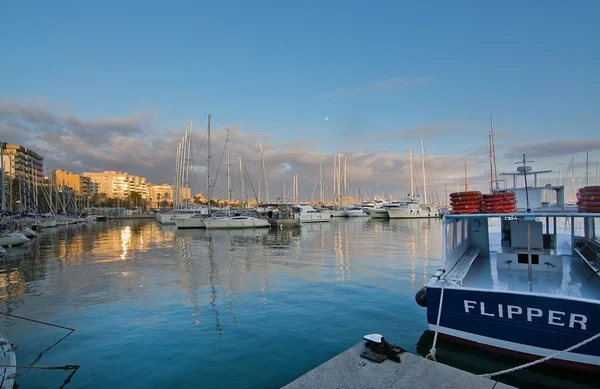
x=166, y=196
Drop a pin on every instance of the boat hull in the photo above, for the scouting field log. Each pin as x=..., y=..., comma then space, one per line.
x=378, y=213
x=414, y=213
x=531, y=325
x=356, y=213
x=13, y=239
x=339, y=213
x=228, y=224
x=190, y=223
x=314, y=218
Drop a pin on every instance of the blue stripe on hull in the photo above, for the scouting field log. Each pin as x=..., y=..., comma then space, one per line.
x=533, y=330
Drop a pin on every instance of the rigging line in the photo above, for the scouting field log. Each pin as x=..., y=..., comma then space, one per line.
x=431, y=175
x=218, y=168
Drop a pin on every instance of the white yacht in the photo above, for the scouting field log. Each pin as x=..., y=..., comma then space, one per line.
x=310, y=215
x=381, y=211
x=231, y=222
x=339, y=212
x=180, y=214
x=413, y=210
x=356, y=212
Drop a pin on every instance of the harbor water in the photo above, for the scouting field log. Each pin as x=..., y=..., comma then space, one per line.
x=157, y=307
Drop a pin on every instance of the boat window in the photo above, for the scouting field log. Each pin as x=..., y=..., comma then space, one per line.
x=522, y=258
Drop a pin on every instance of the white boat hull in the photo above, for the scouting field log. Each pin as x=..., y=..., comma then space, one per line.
x=193, y=222
x=13, y=239
x=414, y=212
x=233, y=223
x=356, y=213
x=165, y=218
x=378, y=213
x=48, y=224
x=339, y=213
x=314, y=217
x=28, y=232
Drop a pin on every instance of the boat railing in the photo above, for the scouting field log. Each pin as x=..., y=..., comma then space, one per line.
x=589, y=250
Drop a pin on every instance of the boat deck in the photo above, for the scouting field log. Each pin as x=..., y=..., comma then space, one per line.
x=575, y=280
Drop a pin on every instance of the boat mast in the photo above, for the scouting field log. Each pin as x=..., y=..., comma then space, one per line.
x=596, y=173
x=573, y=178
x=587, y=167
x=345, y=182
x=491, y=162
x=321, y=183
x=208, y=186
x=334, y=179
x=264, y=171
x=4, y=177
x=241, y=182
x=412, y=182
x=339, y=182
x=228, y=175
x=189, y=160
x=176, y=177
x=424, y=176
x=466, y=181
x=184, y=156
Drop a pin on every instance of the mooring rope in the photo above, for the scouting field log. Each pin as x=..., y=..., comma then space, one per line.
x=37, y=321
x=65, y=367
x=431, y=355
x=537, y=362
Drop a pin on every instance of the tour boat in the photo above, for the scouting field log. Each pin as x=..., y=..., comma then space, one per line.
x=515, y=280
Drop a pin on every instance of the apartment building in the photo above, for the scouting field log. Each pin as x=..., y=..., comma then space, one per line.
x=78, y=183
x=118, y=184
x=165, y=192
x=22, y=162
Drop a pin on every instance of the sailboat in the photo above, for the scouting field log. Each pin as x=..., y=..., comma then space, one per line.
x=338, y=211
x=196, y=219
x=237, y=220
x=181, y=180
x=415, y=207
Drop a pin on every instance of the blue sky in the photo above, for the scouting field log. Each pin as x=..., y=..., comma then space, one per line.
x=280, y=67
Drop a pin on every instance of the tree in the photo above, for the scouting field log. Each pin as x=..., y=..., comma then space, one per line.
x=135, y=198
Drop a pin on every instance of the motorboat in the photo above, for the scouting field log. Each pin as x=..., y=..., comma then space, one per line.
x=356, y=212
x=413, y=209
x=234, y=222
x=9, y=239
x=308, y=214
x=515, y=280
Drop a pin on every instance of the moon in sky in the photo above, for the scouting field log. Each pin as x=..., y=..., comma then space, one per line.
x=326, y=118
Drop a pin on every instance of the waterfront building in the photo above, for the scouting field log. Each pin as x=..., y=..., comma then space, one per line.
x=19, y=161
x=119, y=184
x=78, y=183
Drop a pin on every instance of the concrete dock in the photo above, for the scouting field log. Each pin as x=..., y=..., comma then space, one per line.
x=350, y=370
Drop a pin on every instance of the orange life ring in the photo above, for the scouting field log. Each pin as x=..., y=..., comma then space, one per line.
x=466, y=197
x=465, y=211
x=469, y=193
x=465, y=202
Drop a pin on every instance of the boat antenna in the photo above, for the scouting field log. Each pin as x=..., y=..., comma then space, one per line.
x=494, y=153
x=525, y=178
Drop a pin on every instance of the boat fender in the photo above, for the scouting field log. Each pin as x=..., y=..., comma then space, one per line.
x=421, y=297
